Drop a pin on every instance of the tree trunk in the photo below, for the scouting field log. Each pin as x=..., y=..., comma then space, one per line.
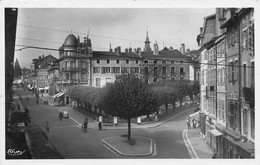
x=173, y=104
x=129, y=130
x=166, y=108
x=148, y=117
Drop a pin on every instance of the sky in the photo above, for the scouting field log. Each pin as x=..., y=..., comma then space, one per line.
x=125, y=27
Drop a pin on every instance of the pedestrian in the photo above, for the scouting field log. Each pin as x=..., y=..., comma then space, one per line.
x=47, y=127
x=18, y=106
x=99, y=125
x=188, y=123
x=193, y=123
x=27, y=98
x=37, y=102
x=214, y=156
x=26, y=110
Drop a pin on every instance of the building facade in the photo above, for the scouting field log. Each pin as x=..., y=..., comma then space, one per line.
x=39, y=73
x=228, y=107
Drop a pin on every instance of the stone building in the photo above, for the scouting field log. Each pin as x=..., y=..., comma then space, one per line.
x=227, y=82
x=39, y=73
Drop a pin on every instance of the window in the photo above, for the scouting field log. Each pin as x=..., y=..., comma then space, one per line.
x=98, y=61
x=181, y=70
x=107, y=69
x=172, y=70
x=145, y=61
x=125, y=69
x=155, y=70
x=108, y=61
x=73, y=76
x=181, y=61
x=231, y=116
x=117, y=70
x=172, y=62
x=155, y=61
x=136, y=61
x=164, y=70
x=108, y=80
x=244, y=75
x=98, y=82
x=83, y=76
x=96, y=69
x=117, y=61
x=221, y=111
x=163, y=61
x=67, y=76
x=127, y=61
x=145, y=70
x=245, y=122
x=137, y=70
x=103, y=70
x=253, y=74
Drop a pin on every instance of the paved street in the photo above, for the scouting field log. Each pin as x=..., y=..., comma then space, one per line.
x=72, y=143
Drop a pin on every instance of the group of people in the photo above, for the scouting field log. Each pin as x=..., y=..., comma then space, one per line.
x=194, y=123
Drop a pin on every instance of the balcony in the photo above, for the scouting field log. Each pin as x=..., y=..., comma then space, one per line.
x=73, y=69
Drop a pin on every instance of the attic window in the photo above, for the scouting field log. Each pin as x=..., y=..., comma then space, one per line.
x=146, y=61
x=127, y=61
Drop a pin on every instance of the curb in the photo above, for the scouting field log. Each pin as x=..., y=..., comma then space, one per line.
x=189, y=146
x=152, y=143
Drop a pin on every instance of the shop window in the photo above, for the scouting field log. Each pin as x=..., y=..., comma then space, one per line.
x=252, y=119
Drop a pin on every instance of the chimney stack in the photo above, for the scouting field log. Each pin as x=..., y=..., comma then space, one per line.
x=126, y=50
x=130, y=50
x=118, y=50
x=188, y=51
x=182, y=48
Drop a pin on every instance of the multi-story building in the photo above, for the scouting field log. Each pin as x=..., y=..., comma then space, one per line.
x=39, y=73
x=107, y=65
x=239, y=140
x=165, y=64
x=74, y=63
x=53, y=72
x=227, y=98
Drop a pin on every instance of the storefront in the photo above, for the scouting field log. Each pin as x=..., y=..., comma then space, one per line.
x=215, y=139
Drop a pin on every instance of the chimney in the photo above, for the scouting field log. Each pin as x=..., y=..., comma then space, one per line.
x=130, y=50
x=139, y=51
x=42, y=56
x=118, y=50
x=126, y=50
x=110, y=49
x=182, y=48
x=171, y=48
x=201, y=28
x=156, y=49
x=135, y=50
x=188, y=51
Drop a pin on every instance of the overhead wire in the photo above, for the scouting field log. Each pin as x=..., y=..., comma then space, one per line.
x=179, y=61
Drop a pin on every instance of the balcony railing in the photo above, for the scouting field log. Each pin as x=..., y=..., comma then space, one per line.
x=73, y=69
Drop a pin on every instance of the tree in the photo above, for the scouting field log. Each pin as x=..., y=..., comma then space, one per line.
x=17, y=69
x=129, y=97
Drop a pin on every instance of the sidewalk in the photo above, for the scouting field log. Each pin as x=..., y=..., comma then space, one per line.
x=79, y=118
x=198, y=146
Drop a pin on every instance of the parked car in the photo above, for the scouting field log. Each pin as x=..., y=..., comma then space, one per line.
x=65, y=114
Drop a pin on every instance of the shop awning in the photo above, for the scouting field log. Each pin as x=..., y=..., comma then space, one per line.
x=195, y=115
x=215, y=132
x=58, y=94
